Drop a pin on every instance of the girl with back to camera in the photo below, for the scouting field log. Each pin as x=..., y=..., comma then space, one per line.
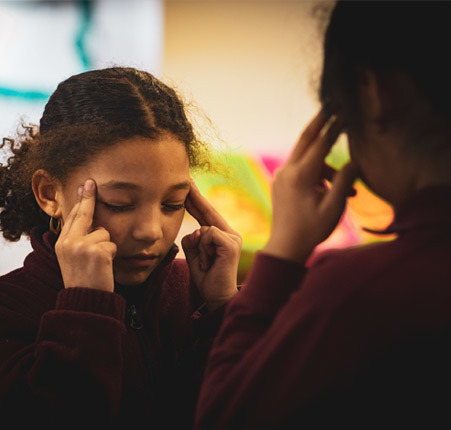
x=361, y=338
x=103, y=325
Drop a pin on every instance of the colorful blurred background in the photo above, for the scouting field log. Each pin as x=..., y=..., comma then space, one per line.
x=248, y=71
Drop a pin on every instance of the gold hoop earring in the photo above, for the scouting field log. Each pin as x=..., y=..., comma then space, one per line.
x=55, y=229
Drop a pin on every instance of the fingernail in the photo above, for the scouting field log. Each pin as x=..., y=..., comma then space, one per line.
x=195, y=234
x=193, y=184
x=80, y=191
x=89, y=185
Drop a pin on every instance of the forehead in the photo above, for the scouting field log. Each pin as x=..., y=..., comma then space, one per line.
x=147, y=163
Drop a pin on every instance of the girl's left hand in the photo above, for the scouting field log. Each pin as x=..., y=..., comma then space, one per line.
x=212, y=251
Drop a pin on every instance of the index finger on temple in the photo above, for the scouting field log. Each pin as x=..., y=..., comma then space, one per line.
x=313, y=159
x=203, y=211
x=83, y=218
x=67, y=224
x=308, y=136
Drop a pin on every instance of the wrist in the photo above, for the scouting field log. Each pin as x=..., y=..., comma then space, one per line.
x=223, y=300
x=299, y=252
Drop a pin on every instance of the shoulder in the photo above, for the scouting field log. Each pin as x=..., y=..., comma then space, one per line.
x=14, y=284
x=22, y=303
x=340, y=280
x=381, y=276
x=32, y=289
x=417, y=254
x=350, y=263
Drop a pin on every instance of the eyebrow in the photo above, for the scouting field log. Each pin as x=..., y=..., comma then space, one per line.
x=120, y=185
x=185, y=185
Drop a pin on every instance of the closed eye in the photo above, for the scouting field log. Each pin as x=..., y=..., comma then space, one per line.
x=117, y=208
x=172, y=208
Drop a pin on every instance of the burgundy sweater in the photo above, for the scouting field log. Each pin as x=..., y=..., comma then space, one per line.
x=83, y=357
x=361, y=339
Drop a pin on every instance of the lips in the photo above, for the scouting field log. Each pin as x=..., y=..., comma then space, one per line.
x=141, y=260
x=142, y=256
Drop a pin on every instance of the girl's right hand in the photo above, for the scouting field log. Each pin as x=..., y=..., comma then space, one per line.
x=85, y=256
x=305, y=211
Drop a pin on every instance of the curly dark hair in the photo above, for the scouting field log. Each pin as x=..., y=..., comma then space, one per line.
x=87, y=113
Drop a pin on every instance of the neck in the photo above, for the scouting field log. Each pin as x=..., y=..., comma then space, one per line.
x=408, y=176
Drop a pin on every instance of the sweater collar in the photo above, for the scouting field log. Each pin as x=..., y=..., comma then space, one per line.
x=426, y=208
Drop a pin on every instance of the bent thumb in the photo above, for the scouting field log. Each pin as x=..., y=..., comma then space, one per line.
x=190, y=243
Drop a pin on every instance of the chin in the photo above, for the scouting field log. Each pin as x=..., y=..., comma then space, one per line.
x=133, y=272
x=132, y=278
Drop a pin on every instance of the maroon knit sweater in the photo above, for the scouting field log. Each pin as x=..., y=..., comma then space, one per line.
x=361, y=339
x=82, y=356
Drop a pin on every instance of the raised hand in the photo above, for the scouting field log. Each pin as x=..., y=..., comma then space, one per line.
x=85, y=256
x=212, y=251
x=305, y=210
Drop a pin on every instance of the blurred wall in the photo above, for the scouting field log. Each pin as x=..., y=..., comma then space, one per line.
x=250, y=65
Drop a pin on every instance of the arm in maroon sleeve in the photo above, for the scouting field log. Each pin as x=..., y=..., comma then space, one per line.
x=73, y=369
x=245, y=338
x=287, y=340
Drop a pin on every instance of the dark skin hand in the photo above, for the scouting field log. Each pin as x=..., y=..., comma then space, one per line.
x=305, y=209
x=212, y=251
x=85, y=256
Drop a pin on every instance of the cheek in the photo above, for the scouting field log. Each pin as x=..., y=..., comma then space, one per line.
x=115, y=225
x=173, y=225
x=354, y=147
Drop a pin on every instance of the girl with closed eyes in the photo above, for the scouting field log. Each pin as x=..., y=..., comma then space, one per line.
x=103, y=324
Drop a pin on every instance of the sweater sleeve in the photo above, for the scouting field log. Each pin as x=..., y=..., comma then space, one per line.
x=72, y=370
x=246, y=340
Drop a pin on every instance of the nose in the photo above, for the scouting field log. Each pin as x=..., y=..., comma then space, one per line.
x=148, y=226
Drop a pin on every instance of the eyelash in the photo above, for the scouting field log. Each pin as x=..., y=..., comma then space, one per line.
x=117, y=208
x=173, y=208
x=166, y=207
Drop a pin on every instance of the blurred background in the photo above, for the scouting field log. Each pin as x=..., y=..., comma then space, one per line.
x=247, y=69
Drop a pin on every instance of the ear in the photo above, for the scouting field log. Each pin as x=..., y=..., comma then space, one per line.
x=370, y=94
x=46, y=190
